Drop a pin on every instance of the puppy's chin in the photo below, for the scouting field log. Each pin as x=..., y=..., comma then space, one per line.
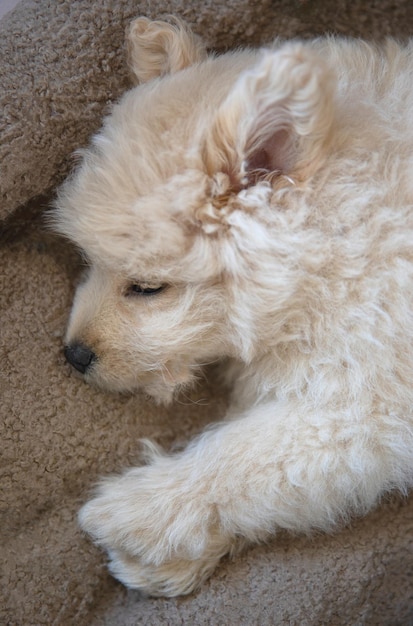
x=158, y=390
x=160, y=395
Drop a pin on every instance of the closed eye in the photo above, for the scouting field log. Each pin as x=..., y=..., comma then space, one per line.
x=143, y=290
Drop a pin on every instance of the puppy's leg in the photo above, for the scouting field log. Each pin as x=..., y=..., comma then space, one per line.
x=167, y=524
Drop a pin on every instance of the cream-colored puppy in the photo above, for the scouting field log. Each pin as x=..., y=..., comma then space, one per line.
x=255, y=206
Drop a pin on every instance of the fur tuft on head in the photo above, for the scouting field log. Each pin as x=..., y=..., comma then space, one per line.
x=158, y=48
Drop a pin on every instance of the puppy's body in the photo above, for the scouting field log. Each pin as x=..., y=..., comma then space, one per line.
x=256, y=206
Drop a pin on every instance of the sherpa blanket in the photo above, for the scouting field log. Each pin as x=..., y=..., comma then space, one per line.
x=61, y=64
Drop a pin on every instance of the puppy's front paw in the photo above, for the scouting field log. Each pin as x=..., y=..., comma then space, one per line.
x=159, y=528
x=172, y=578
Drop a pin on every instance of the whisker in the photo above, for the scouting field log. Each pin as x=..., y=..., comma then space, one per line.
x=205, y=364
x=200, y=402
x=163, y=368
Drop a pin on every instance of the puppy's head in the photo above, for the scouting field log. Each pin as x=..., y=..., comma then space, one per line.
x=171, y=201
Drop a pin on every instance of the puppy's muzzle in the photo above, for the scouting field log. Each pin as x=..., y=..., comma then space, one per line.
x=79, y=356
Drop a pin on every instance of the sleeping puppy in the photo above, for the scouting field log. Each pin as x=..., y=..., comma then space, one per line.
x=254, y=207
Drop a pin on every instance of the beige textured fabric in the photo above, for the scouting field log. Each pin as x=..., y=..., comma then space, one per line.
x=61, y=64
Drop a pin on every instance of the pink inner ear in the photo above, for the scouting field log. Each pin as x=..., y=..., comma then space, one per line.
x=273, y=154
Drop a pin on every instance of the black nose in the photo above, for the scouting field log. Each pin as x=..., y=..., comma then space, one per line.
x=80, y=356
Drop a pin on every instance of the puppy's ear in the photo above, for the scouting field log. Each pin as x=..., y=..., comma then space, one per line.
x=275, y=120
x=158, y=48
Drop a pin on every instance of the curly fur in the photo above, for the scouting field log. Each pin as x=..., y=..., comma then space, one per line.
x=270, y=193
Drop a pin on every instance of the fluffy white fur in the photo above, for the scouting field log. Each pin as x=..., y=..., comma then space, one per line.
x=270, y=194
